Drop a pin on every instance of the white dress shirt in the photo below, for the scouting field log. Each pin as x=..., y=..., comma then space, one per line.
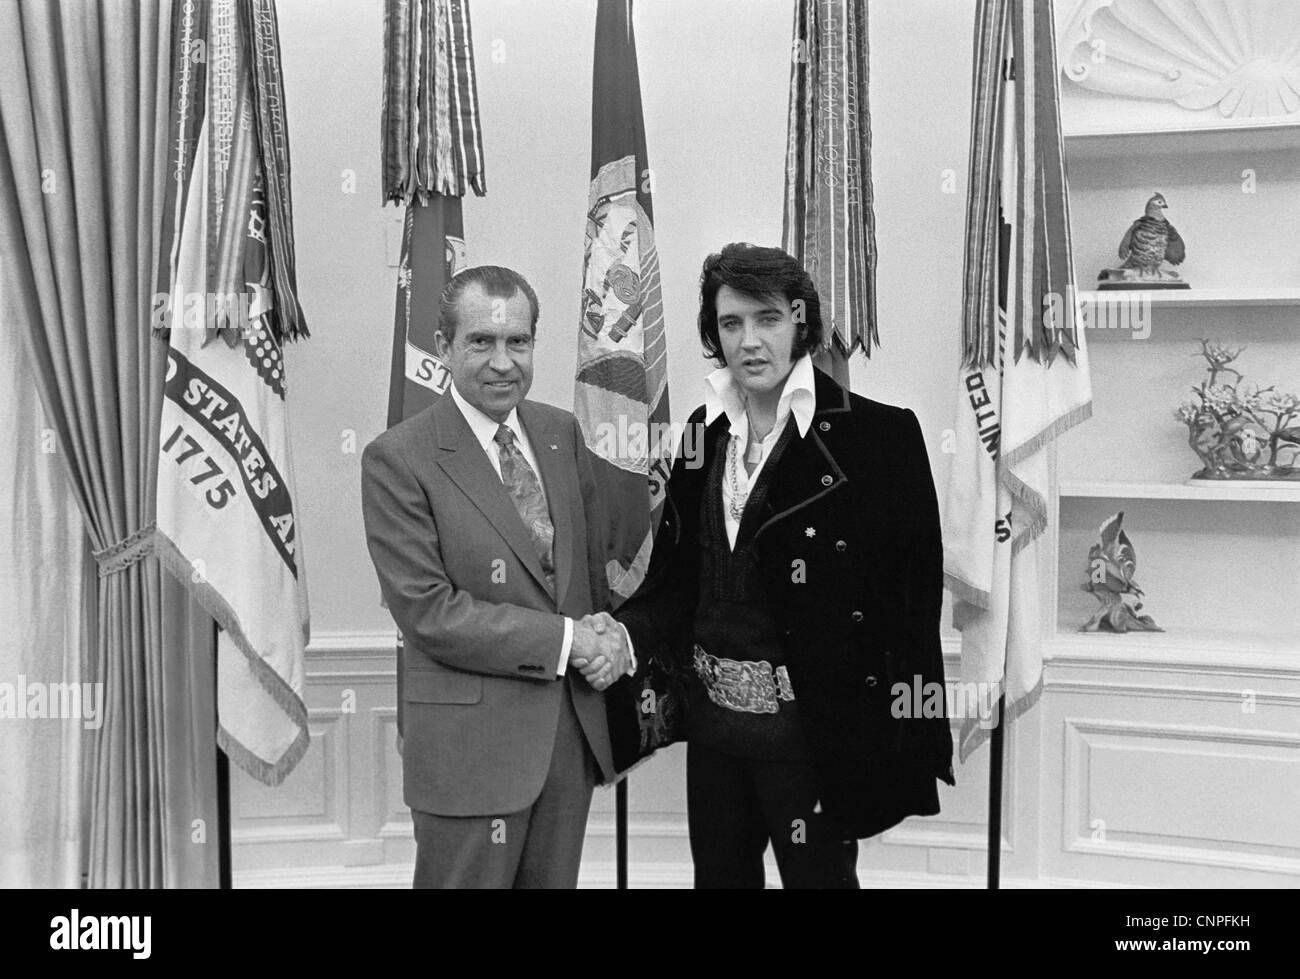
x=485, y=430
x=723, y=394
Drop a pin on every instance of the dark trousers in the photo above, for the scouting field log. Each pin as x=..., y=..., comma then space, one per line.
x=540, y=846
x=736, y=806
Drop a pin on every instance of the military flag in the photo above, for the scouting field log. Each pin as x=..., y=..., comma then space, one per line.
x=1024, y=383
x=621, y=389
x=432, y=155
x=226, y=516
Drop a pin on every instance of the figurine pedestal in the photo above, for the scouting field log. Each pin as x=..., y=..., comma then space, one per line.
x=1142, y=285
x=1134, y=279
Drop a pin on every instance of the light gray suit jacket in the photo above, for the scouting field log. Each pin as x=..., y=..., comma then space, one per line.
x=462, y=579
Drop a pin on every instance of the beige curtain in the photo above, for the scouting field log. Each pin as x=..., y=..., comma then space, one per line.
x=43, y=589
x=84, y=99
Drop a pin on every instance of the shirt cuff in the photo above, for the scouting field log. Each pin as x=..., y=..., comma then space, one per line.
x=564, y=648
x=627, y=638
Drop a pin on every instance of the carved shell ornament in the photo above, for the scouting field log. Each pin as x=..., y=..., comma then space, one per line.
x=1239, y=57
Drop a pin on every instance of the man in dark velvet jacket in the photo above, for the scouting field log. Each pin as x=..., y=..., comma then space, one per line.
x=796, y=579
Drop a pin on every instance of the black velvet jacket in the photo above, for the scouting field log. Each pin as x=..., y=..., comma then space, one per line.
x=852, y=564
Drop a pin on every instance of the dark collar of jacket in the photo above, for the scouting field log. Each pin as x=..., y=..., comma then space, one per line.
x=808, y=469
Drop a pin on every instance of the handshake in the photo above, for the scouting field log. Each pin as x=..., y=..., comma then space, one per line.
x=600, y=651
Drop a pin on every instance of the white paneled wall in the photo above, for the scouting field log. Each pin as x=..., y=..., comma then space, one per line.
x=1137, y=767
x=1146, y=762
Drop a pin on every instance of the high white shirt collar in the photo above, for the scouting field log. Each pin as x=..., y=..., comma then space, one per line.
x=798, y=396
x=484, y=427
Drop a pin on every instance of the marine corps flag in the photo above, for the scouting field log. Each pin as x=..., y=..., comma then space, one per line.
x=432, y=252
x=226, y=521
x=432, y=155
x=621, y=390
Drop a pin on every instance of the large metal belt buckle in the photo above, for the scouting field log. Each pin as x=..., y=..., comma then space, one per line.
x=751, y=687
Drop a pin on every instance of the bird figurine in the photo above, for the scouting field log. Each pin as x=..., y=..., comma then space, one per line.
x=1112, y=563
x=1245, y=446
x=1149, y=242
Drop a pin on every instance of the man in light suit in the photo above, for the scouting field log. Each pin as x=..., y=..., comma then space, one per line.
x=484, y=524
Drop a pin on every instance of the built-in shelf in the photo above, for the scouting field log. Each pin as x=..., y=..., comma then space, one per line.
x=1242, y=296
x=1250, y=137
x=1244, y=490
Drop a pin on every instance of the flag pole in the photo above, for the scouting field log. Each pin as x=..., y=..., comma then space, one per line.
x=223, y=782
x=995, y=799
x=223, y=821
x=620, y=832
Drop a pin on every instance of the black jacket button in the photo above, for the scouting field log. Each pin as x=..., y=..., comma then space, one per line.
x=841, y=546
x=871, y=681
x=857, y=616
x=826, y=480
x=825, y=426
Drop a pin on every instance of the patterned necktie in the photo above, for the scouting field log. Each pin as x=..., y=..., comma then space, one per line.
x=526, y=491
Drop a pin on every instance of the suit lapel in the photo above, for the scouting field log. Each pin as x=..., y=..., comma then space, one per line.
x=463, y=460
x=561, y=486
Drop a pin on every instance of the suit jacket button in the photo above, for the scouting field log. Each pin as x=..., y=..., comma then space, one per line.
x=826, y=480
x=857, y=616
x=871, y=681
x=825, y=426
x=841, y=546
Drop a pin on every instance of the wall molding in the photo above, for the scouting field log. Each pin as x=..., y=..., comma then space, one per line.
x=1192, y=656
x=641, y=876
x=1076, y=778
x=1110, y=688
x=341, y=641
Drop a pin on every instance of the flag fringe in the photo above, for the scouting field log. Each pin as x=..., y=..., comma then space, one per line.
x=1026, y=495
x=1017, y=455
x=964, y=591
x=267, y=773
x=973, y=735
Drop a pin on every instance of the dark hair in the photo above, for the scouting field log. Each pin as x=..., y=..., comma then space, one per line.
x=495, y=280
x=758, y=272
